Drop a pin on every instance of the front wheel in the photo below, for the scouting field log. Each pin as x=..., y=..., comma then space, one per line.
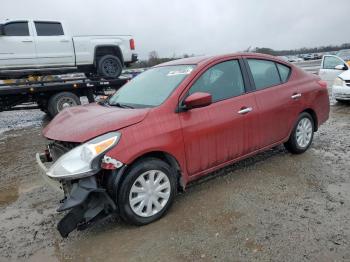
x=147, y=191
x=301, y=137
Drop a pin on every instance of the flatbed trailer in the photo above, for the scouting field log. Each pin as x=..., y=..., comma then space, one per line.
x=54, y=95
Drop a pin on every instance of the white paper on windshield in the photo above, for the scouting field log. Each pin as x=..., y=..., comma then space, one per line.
x=185, y=71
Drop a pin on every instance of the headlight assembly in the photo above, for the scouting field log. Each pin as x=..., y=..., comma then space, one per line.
x=339, y=82
x=83, y=160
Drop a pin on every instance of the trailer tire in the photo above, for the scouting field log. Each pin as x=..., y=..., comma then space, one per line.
x=60, y=101
x=109, y=67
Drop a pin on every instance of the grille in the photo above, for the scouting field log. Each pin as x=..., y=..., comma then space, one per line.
x=58, y=148
x=347, y=82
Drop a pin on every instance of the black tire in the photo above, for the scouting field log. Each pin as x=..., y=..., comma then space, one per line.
x=292, y=144
x=343, y=101
x=139, y=168
x=109, y=67
x=60, y=101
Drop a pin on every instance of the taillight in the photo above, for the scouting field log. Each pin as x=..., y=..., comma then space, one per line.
x=132, y=44
x=322, y=83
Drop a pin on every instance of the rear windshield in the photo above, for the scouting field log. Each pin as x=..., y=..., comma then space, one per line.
x=151, y=88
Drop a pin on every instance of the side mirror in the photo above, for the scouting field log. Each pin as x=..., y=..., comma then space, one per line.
x=198, y=99
x=340, y=67
x=2, y=30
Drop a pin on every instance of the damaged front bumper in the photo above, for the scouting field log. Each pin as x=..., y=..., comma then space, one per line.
x=84, y=199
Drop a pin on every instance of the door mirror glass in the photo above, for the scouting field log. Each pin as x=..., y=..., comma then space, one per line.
x=198, y=99
x=340, y=67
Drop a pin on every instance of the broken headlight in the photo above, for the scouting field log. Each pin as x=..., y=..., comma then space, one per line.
x=83, y=160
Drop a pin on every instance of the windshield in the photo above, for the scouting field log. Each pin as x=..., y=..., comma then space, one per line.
x=150, y=88
x=344, y=53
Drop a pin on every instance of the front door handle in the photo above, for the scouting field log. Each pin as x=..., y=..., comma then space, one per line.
x=64, y=41
x=245, y=110
x=27, y=41
x=296, y=96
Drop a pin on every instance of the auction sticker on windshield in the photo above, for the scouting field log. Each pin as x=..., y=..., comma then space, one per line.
x=184, y=71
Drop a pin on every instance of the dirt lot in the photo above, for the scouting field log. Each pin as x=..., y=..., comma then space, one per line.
x=275, y=206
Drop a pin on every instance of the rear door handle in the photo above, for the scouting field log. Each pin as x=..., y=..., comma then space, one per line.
x=64, y=41
x=27, y=41
x=245, y=110
x=295, y=96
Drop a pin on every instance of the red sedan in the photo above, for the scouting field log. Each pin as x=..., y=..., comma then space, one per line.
x=173, y=124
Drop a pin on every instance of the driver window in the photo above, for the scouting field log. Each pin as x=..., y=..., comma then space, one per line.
x=222, y=81
x=330, y=62
x=16, y=29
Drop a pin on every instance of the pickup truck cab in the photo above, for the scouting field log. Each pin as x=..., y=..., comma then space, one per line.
x=46, y=47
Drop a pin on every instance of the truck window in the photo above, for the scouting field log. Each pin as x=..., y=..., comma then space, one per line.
x=16, y=29
x=48, y=29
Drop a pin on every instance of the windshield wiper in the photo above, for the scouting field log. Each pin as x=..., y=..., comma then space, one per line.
x=121, y=105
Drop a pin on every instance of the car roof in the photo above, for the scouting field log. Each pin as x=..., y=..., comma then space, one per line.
x=187, y=61
x=196, y=60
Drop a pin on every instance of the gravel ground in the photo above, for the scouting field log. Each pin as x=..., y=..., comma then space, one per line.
x=271, y=207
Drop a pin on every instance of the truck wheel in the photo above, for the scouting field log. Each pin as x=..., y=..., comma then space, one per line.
x=62, y=100
x=109, y=66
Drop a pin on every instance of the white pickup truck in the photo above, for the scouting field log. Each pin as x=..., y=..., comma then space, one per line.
x=45, y=47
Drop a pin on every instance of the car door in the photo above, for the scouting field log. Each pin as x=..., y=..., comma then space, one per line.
x=225, y=130
x=54, y=48
x=17, y=47
x=277, y=99
x=328, y=71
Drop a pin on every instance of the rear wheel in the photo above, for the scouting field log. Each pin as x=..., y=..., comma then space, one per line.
x=60, y=101
x=302, y=134
x=147, y=191
x=109, y=66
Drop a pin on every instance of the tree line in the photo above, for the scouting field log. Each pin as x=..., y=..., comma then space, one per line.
x=154, y=59
x=304, y=50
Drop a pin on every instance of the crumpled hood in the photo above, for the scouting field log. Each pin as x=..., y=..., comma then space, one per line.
x=82, y=123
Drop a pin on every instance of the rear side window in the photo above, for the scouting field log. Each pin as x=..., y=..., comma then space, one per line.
x=222, y=81
x=264, y=73
x=48, y=29
x=284, y=72
x=16, y=29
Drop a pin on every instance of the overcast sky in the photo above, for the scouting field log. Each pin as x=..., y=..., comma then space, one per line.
x=198, y=26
